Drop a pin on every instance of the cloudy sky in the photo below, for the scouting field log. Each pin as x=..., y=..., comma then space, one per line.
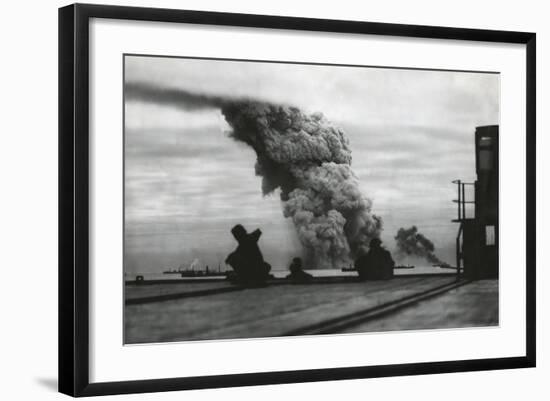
x=187, y=183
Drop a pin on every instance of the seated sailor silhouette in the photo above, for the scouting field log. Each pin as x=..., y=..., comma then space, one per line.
x=297, y=274
x=247, y=260
x=376, y=264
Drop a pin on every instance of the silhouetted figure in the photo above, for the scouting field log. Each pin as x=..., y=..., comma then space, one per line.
x=297, y=274
x=247, y=260
x=376, y=264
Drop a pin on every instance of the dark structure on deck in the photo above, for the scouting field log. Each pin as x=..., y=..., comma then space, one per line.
x=477, y=240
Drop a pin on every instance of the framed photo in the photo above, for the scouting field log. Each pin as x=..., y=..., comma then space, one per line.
x=251, y=199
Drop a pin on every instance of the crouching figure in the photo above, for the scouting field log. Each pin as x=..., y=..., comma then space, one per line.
x=376, y=264
x=297, y=274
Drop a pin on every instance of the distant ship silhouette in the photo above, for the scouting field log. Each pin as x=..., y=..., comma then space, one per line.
x=192, y=272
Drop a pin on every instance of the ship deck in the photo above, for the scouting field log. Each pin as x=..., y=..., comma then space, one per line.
x=215, y=309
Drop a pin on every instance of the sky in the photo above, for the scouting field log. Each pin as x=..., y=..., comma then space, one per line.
x=187, y=183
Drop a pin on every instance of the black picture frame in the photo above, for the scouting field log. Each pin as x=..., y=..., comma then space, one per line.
x=74, y=202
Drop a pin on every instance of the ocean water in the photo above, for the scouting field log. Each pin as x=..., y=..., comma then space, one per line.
x=280, y=273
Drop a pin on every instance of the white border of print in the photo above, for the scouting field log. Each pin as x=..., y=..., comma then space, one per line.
x=110, y=360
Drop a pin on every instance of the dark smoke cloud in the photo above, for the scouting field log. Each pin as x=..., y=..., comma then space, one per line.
x=307, y=158
x=411, y=242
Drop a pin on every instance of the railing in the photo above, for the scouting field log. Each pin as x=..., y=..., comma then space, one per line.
x=459, y=259
x=461, y=201
x=461, y=209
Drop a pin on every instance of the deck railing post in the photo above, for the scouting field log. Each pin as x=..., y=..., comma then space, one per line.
x=459, y=199
x=463, y=202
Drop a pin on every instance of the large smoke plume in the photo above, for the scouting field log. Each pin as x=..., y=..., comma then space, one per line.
x=307, y=158
x=411, y=242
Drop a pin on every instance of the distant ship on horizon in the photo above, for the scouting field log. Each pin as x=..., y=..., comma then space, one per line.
x=191, y=271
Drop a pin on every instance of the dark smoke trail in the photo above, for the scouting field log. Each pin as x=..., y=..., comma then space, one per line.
x=171, y=97
x=411, y=242
x=305, y=156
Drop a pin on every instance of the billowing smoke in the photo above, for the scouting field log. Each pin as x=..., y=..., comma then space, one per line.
x=194, y=264
x=309, y=159
x=411, y=242
x=304, y=156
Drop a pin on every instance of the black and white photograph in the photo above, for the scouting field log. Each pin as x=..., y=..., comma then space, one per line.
x=266, y=199
x=275, y=201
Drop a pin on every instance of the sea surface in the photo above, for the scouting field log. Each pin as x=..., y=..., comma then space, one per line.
x=280, y=273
